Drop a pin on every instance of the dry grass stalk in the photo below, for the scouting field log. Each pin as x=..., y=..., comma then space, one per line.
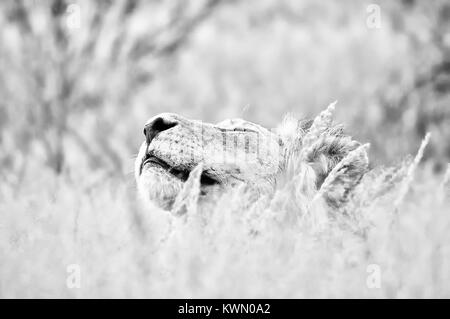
x=446, y=179
x=411, y=170
x=187, y=199
x=444, y=188
x=320, y=125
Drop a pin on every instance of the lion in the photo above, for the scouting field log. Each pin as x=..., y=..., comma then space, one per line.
x=236, y=151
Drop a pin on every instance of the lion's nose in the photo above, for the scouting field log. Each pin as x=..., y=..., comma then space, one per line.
x=156, y=126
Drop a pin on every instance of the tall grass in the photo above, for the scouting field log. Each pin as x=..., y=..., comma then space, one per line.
x=232, y=248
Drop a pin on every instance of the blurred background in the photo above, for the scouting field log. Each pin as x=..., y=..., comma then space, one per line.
x=79, y=78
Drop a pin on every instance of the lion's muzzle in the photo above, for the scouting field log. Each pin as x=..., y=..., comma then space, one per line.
x=233, y=152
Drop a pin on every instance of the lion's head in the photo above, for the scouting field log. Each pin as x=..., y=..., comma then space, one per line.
x=232, y=152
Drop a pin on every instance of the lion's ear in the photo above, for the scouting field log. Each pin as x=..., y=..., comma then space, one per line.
x=345, y=175
x=338, y=161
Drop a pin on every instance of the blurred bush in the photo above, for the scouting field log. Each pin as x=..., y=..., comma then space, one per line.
x=79, y=78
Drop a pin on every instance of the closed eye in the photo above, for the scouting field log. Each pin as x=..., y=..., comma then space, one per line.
x=243, y=129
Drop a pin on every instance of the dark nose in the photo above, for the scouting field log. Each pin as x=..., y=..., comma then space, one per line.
x=156, y=126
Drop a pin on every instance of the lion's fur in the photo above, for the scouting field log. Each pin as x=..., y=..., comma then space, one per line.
x=335, y=161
